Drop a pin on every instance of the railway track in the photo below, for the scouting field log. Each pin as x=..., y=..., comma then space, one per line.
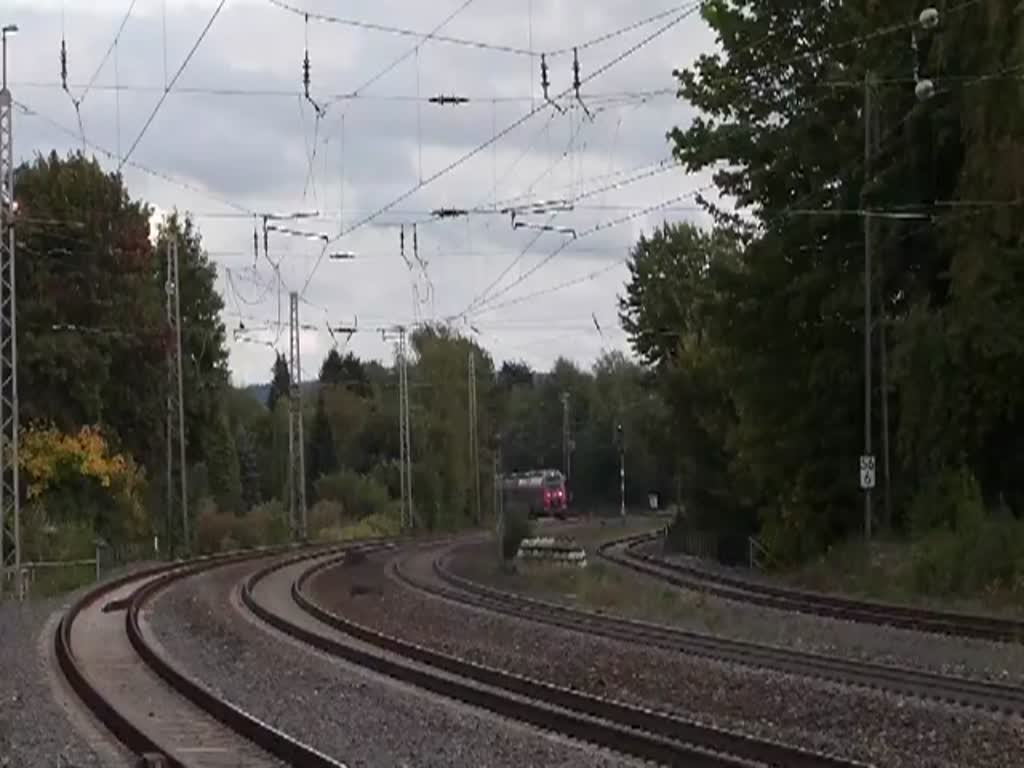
x=626, y=553
x=115, y=666
x=278, y=596
x=963, y=691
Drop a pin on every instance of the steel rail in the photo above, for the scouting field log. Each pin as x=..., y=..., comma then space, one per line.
x=634, y=730
x=624, y=552
x=154, y=580
x=904, y=680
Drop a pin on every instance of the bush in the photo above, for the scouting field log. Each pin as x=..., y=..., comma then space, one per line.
x=325, y=514
x=372, y=527
x=951, y=500
x=516, y=527
x=359, y=495
x=959, y=548
x=213, y=528
x=265, y=525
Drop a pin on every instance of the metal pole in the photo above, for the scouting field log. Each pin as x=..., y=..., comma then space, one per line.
x=401, y=429
x=885, y=422
x=169, y=421
x=10, y=499
x=474, y=443
x=622, y=483
x=566, y=467
x=408, y=430
x=883, y=354
x=868, y=148
x=186, y=538
x=296, y=449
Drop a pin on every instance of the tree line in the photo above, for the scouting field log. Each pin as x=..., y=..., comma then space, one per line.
x=352, y=426
x=754, y=327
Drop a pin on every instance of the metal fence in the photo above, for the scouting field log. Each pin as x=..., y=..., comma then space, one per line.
x=44, y=577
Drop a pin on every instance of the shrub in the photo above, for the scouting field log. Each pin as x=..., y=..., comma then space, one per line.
x=212, y=528
x=324, y=515
x=959, y=547
x=265, y=525
x=359, y=495
x=950, y=500
x=372, y=527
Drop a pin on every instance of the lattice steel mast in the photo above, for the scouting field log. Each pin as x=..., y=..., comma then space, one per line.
x=10, y=503
x=296, y=442
x=175, y=424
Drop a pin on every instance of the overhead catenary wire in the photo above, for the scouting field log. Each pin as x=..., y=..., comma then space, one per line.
x=170, y=86
x=31, y=112
x=504, y=132
x=106, y=56
x=481, y=99
x=488, y=305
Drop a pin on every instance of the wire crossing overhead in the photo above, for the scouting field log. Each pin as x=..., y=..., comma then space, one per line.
x=170, y=86
x=690, y=9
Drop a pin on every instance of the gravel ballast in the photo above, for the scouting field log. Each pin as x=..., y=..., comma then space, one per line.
x=709, y=614
x=879, y=728
x=35, y=724
x=352, y=715
x=945, y=654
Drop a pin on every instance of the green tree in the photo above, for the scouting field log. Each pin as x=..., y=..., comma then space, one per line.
x=203, y=341
x=248, y=468
x=222, y=463
x=91, y=333
x=320, y=455
x=347, y=371
x=280, y=382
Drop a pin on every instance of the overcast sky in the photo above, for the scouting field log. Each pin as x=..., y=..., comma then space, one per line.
x=236, y=137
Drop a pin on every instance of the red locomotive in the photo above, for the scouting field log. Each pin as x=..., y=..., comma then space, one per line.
x=537, y=492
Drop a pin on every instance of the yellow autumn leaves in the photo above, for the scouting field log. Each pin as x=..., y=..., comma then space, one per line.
x=50, y=459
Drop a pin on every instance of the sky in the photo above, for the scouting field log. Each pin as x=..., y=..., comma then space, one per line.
x=234, y=138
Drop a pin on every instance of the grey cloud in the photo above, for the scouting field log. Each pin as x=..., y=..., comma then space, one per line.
x=253, y=149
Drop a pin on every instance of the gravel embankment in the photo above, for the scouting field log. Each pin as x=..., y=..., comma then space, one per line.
x=34, y=726
x=355, y=716
x=879, y=728
x=699, y=612
x=968, y=657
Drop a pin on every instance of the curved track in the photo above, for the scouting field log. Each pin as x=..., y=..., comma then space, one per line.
x=277, y=595
x=626, y=552
x=437, y=579
x=115, y=665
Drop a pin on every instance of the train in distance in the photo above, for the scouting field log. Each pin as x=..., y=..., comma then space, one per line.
x=536, y=492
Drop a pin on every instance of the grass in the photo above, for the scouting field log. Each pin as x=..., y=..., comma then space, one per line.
x=373, y=526
x=600, y=586
x=886, y=571
x=606, y=588
x=51, y=582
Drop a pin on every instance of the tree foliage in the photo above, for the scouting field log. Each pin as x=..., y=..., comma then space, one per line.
x=754, y=329
x=92, y=330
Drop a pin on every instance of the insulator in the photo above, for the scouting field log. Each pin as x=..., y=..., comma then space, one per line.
x=64, y=65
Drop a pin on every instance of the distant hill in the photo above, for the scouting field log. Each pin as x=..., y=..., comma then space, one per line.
x=260, y=392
